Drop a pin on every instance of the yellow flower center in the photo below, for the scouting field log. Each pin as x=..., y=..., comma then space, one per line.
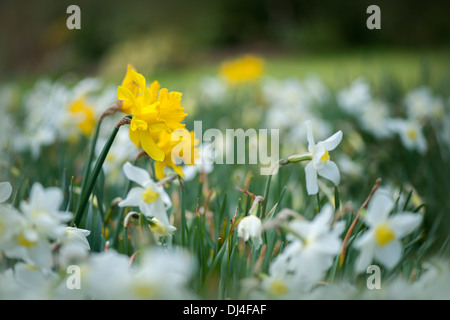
x=277, y=287
x=384, y=234
x=144, y=291
x=325, y=157
x=25, y=242
x=412, y=134
x=149, y=195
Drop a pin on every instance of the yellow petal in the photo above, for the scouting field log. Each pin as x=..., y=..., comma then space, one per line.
x=159, y=170
x=138, y=79
x=134, y=137
x=125, y=94
x=150, y=147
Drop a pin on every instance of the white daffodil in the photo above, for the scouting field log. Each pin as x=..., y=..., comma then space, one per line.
x=382, y=240
x=31, y=246
x=161, y=274
x=304, y=261
x=318, y=238
x=321, y=163
x=151, y=198
x=250, y=227
x=42, y=210
x=420, y=104
x=410, y=132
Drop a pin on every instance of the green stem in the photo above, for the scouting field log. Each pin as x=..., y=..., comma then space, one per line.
x=300, y=157
x=93, y=178
x=87, y=168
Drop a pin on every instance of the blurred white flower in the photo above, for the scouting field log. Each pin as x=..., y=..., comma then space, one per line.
x=382, y=239
x=355, y=98
x=250, y=227
x=31, y=246
x=304, y=261
x=420, y=104
x=161, y=274
x=105, y=276
x=42, y=210
x=321, y=163
x=410, y=133
x=374, y=119
x=151, y=198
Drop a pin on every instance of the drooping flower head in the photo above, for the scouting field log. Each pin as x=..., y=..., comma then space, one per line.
x=153, y=110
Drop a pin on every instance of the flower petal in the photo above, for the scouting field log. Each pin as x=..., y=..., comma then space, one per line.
x=136, y=174
x=309, y=136
x=379, y=207
x=330, y=171
x=390, y=254
x=332, y=142
x=133, y=198
x=150, y=147
x=366, y=245
x=404, y=223
x=5, y=191
x=311, y=179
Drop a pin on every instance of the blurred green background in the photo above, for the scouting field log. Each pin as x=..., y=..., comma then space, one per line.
x=178, y=41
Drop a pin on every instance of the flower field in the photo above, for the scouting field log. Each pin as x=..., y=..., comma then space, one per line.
x=110, y=192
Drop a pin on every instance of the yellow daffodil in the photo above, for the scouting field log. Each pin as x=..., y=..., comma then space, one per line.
x=244, y=69
x=154, y=110
x=85, y=115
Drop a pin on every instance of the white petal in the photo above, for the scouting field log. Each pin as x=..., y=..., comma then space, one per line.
x=379, y=207
x=321, y=223
x=309, y=136
x=311, y=179
x=5, y=191
x=155, y=209
x=332, y=142
x=366, y=246
x=390, y=254
x=330, y=171
x=136, y=174
x=404, y=223
x=165, y=199
x=51, y=199
x=133, y=198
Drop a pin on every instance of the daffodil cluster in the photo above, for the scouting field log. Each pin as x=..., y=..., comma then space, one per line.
x=156, y=122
